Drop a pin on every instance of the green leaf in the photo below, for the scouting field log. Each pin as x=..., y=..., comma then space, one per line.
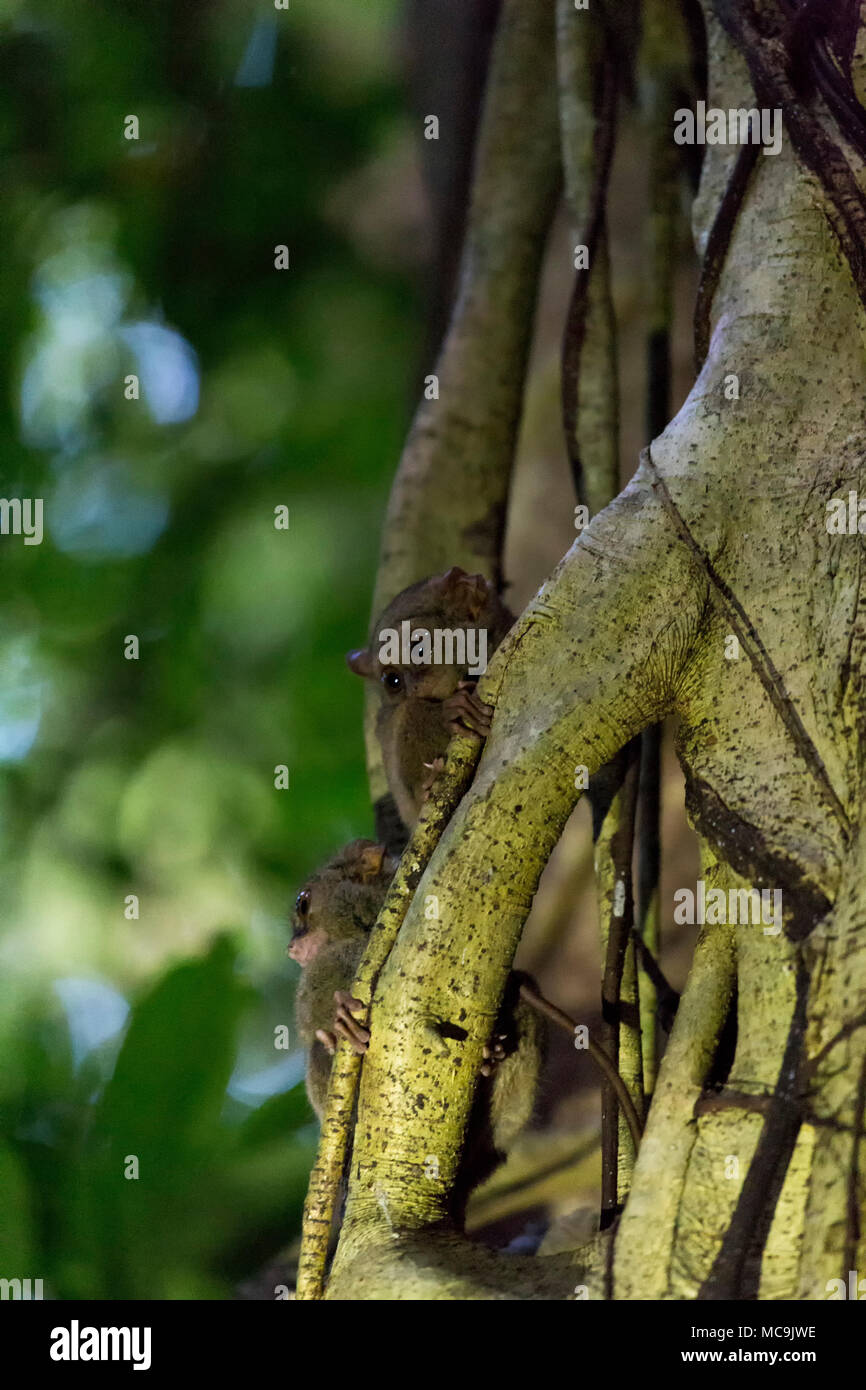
x=18, y=1258
x=173, y=1068
x=144, y=1211
x=277, y=1118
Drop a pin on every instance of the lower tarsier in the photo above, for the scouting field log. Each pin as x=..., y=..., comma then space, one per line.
x=337, y=907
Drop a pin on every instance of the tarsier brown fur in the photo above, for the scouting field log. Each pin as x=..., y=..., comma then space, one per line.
x=334, y=914
x=422, y=705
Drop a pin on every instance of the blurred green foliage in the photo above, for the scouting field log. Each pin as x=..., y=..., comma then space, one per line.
x=154, y=777
x=132, y=1180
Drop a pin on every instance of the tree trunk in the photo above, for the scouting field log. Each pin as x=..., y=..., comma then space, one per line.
x=710, y=589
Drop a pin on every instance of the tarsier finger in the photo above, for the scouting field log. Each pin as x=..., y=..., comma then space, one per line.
x=456, y=726
x=347, y=1001
x=328, y=1041
x=358, y=1045
x=345, y=1025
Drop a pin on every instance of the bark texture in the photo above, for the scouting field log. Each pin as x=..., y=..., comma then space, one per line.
x=721, y=533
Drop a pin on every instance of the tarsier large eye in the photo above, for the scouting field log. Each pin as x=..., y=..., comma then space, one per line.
x=392, y=680
x=302, y=902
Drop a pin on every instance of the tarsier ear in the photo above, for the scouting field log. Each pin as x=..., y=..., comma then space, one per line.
x=469, y=591
x=360, y=661
x=370, y=862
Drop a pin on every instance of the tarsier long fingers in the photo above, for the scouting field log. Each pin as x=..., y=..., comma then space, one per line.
x=463, y=710
x=345, y=1026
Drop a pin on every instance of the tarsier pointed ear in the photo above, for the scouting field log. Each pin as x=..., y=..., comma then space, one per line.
x=360, y=661
x=370, y=862
x=451, y=577
x=471, y=591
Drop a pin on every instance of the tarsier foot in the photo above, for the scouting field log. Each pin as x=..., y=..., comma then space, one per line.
x=328, y=1041
x=464, y=711
x=495, y=1052
x=433, y=770
x=345, y=1026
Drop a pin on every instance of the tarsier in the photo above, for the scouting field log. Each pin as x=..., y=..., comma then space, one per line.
x=334, y=914
x=423, y=704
